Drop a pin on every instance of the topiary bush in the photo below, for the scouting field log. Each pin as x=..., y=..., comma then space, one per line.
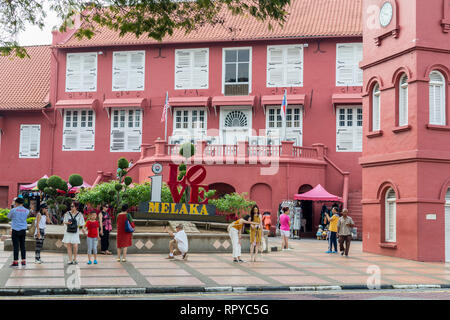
x=75, y=180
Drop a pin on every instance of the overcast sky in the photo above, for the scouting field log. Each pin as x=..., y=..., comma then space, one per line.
x=35, y=36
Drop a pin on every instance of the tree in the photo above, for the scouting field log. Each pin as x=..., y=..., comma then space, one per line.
x=154, y=19
x=57, y=191
x=233, y=205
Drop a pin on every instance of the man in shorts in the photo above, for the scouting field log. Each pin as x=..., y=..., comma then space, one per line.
x=179, y=244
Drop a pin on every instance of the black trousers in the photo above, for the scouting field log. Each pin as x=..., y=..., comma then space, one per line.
x=104, y=240
x=40, y=244
x=18, y=240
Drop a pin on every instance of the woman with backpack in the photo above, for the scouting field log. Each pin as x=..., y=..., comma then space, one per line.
x=74, y=221
x=124, y=237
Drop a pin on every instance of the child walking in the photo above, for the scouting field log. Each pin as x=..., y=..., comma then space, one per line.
x=92, y=226
x=42, y=218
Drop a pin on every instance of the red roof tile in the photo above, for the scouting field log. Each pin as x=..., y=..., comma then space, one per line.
x=25, y=83
x=307, y=19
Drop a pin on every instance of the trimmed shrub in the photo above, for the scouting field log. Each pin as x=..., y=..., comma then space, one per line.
x=75, y=180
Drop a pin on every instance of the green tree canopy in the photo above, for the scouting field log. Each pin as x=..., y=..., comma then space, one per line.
x=153, y=18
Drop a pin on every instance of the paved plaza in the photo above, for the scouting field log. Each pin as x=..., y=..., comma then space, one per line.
x=307, y=264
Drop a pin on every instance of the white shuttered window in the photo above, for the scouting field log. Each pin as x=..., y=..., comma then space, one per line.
x=285, y=66
x=189, y=125
x=126, y=130
x=349, y=129
x=376, y=95
x=390, y=217
x=30, y=139
x=294, y=125
x=81, y=72
x=192, y=69
x=348, y=56
x=403, y=101
x=79, y=130
x=437, y=98
x=128, y=71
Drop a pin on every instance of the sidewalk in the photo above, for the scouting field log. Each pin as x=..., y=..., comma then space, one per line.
x=306, y=265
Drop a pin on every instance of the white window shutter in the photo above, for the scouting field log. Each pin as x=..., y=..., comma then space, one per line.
x=200, y=69
x=294, y=66
x=275, y=67
x=70, y=139
x=87, y=139
x=117, y=140
x=120, y=71
x=25, y=137
x=134, y=140
x=73, y=72
x=403, y=102
x=375, y=112
x=345, y=58
x=136, y=71
x=344, y=139
x=89, y=72
x=183, y=69
x=437, y=98
x=358, y=77
x=358, y=139
x=30, y=136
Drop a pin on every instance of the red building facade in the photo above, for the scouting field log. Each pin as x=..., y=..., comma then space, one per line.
x=106, y=97
x=406, y=155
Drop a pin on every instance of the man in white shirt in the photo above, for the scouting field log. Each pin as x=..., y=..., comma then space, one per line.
x=179, y=244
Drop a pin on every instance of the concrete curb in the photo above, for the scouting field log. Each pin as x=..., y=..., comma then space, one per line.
x=200, y=289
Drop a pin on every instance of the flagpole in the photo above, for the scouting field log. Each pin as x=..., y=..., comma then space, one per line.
x=284, y=117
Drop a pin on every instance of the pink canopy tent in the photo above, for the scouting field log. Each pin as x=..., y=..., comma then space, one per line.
x=317, y=194
x=31, y=186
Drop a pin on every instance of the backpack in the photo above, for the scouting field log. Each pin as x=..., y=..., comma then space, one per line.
x=73, y=227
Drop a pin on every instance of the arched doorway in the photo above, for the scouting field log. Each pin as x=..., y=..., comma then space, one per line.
x=307, y=208
x=262, y=194
x=221, y=189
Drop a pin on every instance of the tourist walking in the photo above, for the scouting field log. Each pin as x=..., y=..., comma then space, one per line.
x=18, y=216
x=42, y=218
x=124, y=238
x=235, y=232
x=344, y=227
x=333, y=220
x=92, y=226
x=255, y=232
x=74, y=221
x=285, y=228
x=105, y=229
x=179, y=244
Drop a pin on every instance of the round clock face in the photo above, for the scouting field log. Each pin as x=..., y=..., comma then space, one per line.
x=157, y=168
x=386, y=14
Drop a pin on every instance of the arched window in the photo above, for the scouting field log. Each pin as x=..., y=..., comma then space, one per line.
x=390, y=216
x=236, y=118
x=437, y=98
x=403, y=101
x=376, y=107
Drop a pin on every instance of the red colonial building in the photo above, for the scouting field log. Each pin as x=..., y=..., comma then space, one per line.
x=102, y=98
x=406, y=141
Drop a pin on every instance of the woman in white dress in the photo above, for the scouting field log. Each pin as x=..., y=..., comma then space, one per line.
x=72, y=235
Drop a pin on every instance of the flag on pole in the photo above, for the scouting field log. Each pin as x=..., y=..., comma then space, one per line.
x=166, y=107
x=283, y=113
x=284, y=105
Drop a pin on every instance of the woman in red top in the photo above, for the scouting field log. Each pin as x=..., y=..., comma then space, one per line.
x=124, y=239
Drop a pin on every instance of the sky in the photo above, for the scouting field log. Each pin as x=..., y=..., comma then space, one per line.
x=35, y=36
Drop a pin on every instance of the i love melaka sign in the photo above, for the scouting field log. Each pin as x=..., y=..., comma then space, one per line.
x=197, y=207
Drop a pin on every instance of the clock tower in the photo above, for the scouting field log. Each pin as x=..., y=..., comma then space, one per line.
x=406, y=138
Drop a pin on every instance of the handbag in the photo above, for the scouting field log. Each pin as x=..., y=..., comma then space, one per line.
x=129, y=226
